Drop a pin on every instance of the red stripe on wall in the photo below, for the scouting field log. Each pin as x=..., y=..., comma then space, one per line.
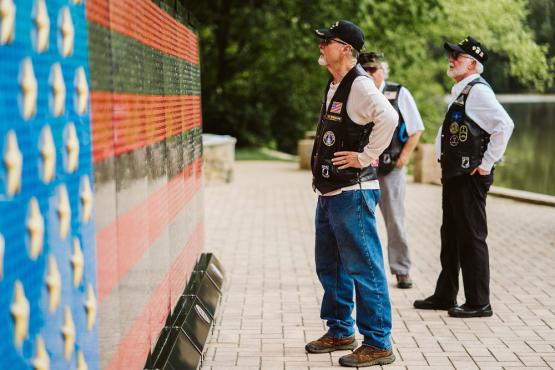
x=145, y=22
x=121, y=245
x=134, y=346
x=125, y=122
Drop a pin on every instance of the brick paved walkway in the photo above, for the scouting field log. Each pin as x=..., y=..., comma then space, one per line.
x=261, y=228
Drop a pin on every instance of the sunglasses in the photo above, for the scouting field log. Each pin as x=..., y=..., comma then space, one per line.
x=326, y=42
x=370, y=69
x=457, y=54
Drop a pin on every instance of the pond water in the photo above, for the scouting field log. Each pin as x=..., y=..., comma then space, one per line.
x=529, y=162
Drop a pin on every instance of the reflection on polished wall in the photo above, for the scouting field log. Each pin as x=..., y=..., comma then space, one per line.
x=100, y=179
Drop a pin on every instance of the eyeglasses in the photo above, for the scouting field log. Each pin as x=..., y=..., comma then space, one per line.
x=457, y=54
x=326, y=42
x=370, y=69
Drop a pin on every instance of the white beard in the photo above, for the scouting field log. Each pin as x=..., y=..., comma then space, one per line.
x=322, y=60
x=457, y=71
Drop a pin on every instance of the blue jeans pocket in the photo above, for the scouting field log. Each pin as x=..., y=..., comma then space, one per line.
x=371, y=198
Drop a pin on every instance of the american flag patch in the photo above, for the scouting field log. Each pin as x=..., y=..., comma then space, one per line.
x=336, y=107
x=390, y=95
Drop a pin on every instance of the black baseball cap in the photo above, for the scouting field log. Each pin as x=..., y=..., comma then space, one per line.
x=345, y=31
x=371, y=59
x=469, y=46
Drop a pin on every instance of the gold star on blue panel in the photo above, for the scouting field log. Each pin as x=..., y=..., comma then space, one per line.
x=20, y=313
x=42, y=26
x=58, y=87
x=67, y=32
x=41, y=360
x=28, y=86
x=13, y=161
x=7, y=21
x=35, y=228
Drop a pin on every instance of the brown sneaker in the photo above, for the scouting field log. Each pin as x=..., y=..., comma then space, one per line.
x=327, y=343
x=404, y=281
x=367, y=356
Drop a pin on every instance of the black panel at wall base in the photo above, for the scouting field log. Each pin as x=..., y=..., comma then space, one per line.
x=205, y=289
x=194, y=320
x=209, y=264
x=182, y=342
x=177, y=353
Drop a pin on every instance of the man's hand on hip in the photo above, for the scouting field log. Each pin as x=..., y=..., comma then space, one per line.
x=480, y=171
x=346, y=160
x=401, y=162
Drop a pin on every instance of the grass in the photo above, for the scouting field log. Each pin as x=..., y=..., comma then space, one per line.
x=254, y=154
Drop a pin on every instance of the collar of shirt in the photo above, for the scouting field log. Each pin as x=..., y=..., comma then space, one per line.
x=382, y=86
x=459, y=86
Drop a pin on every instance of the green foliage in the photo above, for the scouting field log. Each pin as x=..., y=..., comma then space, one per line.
x=261, y=82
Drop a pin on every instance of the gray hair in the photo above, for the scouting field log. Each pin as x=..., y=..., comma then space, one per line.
x=354, y=53
x=385, y=67
x=479, y=67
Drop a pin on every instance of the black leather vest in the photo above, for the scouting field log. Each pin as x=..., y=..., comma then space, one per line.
x=337, y=132
x=390, y=155
x=463, y=142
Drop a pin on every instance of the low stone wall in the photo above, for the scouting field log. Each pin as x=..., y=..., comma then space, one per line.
x=304, y=149
x=426, y=166
x=219, y=157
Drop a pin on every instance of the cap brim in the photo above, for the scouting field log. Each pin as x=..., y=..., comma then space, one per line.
x=453, y=47
x=323, y=33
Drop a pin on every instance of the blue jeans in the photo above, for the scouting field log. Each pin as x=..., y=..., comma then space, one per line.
x=349, y=254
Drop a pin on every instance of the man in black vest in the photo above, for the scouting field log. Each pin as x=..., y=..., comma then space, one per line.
x=391, y=172
x=356, y=125
x=474, y=136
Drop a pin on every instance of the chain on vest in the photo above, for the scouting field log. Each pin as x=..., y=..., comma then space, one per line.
x=463, y=142
x=337, y=132
x=391, y=154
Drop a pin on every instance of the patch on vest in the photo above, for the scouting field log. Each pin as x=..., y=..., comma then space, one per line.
x=459, y=100
x=465, y=162
x=326, y=171
x=329, y=138
x=463, y=133
x=386, y=158
x=331, y=117
x=336, y=107
x=456, y=116
x=375, y=163
x=390, y=95
x=454, y=140
x=454, y=128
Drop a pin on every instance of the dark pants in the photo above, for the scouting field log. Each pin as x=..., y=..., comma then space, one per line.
x=463, y=239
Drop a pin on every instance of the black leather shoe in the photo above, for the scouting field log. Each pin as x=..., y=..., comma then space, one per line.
x=467, y=310
x=432, y=303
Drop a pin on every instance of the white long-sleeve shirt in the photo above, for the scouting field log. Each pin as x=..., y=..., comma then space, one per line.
x=483, y=108
x=366, y=104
